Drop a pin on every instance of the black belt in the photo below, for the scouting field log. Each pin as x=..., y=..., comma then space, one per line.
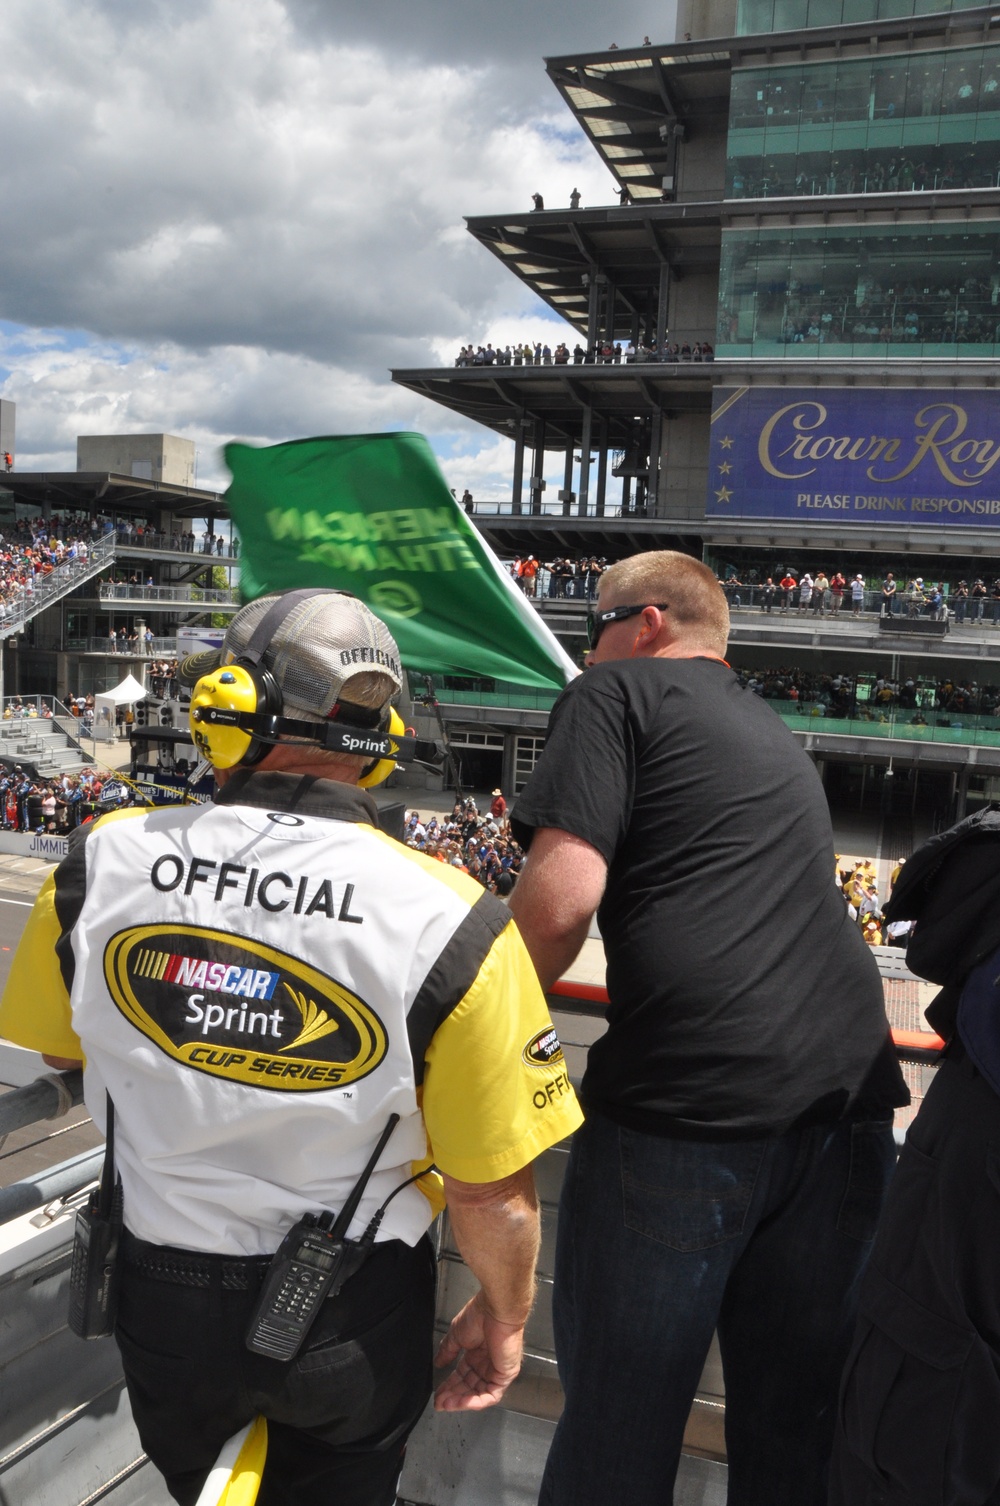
x=233, y=1273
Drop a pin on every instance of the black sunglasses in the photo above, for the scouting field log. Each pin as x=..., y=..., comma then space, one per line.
x=598, y=621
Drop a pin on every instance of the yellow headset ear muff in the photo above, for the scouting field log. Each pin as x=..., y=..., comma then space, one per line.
x=231, y=688
x=380, y=770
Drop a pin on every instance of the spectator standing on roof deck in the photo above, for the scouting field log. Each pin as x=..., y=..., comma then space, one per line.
x=837, y=585
x=857, y=594
x=961, y=599
x=977, y=598
x=820, y=587
x=785, y=591
x=805, y=591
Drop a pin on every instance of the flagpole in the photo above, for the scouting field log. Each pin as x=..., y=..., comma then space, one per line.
x=430, y=701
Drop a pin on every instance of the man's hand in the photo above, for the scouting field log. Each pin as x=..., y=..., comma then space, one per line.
x=488, y=1352
x=496, y=1228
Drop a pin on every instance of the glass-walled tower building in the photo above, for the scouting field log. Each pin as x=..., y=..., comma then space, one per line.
x=889, y=144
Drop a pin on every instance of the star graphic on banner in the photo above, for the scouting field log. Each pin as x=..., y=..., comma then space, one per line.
x=724, y=494
x=724, y=468
x=726, y=443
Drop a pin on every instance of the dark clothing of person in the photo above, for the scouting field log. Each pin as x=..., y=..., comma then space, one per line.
x=921, y=1394
x=743, y=999
x=338, y=1415
x=919, y=1410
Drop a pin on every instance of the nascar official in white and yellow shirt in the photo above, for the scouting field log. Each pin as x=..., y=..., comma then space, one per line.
x=258, y=984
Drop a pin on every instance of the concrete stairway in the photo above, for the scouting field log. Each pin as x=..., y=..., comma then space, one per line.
x=40, y=747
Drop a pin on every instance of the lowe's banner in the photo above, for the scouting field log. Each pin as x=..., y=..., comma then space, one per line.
x=856, y=455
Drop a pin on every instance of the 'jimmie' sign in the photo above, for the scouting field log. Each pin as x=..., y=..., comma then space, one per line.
x=857, y=455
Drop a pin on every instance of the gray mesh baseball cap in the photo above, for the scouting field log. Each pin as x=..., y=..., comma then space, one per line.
x=325, y=639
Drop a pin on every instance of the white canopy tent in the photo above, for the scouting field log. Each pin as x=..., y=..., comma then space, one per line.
x=106, y=704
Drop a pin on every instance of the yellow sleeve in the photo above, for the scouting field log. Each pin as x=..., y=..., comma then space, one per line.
x=496, y=1086
x=35, y=1011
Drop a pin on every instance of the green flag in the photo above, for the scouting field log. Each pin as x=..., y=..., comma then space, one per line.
x=371, y=514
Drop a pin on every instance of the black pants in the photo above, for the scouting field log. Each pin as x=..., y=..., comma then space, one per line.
x=920, y=1406
x=338, y=1415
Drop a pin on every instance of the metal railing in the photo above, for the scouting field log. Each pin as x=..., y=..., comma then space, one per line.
x=127, y=591
x=773, y=599
x=906, y=724
x=171, y=544
x=164, y=647
x=52, y=1096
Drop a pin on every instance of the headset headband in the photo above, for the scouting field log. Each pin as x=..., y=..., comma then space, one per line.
x=260, y=638
x=336, y=737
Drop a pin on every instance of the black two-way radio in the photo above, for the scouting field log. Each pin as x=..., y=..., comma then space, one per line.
x=93, y=1279
x=313, y=1261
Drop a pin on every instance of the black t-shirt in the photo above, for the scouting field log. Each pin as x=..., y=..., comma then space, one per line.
x=743, y=998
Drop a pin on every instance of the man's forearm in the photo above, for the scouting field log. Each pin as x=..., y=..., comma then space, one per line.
x=552, y=952
x=497, y=1230
x=555, y=898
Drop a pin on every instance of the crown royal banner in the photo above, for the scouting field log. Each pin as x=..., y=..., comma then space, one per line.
x=856, y=455
x=372, y=514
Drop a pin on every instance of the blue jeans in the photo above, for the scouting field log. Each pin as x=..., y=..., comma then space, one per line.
x=661, y=1241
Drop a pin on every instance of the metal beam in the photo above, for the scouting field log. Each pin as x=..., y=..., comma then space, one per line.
x=537, y=466
x=660, y=74
x=530, y=245
x=655, y=448
x=517, y=485
x=602, y=466
x=619, y=94
x=567, y=497
x=584, y=494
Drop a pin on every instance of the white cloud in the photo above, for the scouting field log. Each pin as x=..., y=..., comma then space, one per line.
x=247, y=219
x=210, y=397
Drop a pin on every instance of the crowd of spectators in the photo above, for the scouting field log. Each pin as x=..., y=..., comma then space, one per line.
x=872, y=697
x=162, y=679
x=50, y=806
x=606, y=353
x=862, y=171
x=563, y=577
x=838, y=305
x=479, y=844
x=30, y=552
x=825, y=595
x=958, y=311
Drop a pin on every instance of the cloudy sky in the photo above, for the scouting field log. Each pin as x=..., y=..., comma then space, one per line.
x=229, y=218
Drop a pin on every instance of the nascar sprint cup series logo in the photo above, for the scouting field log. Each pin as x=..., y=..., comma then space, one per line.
x=235, y=1008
